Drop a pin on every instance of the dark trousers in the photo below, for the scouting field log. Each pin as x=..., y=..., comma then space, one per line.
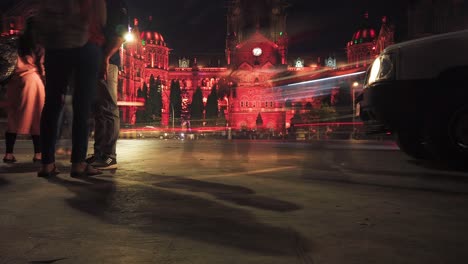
x=59, y=65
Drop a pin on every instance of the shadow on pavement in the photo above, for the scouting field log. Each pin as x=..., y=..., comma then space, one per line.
x=20, y=168
x=3, y=182
x=93, y=196
x=440, y=165
x=159, y=211
x=236, y=194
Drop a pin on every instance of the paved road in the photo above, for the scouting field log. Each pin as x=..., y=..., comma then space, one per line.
x=237, y=202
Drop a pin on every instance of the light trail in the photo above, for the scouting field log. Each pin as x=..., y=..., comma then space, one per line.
x=345, y=67
x=128, y=103
x=330, y=124
x=326, y=79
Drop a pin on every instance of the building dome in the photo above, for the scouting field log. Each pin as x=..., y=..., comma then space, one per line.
x=364, y=34
x=152, y=37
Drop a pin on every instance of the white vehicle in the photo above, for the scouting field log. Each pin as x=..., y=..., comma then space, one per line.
x=419, y=90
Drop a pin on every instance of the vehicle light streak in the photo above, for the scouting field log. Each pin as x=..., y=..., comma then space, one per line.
x=128, y=103
x=326, y=79
x=330, y=124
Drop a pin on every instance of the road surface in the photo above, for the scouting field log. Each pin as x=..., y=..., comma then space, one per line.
x=210, y=201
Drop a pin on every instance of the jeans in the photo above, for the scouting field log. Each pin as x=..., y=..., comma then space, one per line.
x=106, y=119
x=59, y=65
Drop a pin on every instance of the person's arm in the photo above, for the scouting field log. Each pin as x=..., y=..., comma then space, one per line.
x=112, y=46
x=117, y=26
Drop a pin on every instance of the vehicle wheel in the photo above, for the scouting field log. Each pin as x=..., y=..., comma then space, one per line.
x=412, y=144
x=458, y=129
x=450, y=143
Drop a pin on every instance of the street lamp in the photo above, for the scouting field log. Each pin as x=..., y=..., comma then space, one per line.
x=353, y=91
x=129, y=37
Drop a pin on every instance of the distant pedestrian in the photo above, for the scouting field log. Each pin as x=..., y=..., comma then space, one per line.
x=25, y=93
x=72, y=31
x=107, y=119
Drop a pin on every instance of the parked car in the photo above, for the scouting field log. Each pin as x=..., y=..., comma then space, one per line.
x=419, y=90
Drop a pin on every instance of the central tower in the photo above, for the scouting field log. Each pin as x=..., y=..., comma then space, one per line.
x=246, y=18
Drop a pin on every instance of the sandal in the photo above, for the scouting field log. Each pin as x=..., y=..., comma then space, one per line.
x=9, y=160
x=47, y=174
x=88, y=171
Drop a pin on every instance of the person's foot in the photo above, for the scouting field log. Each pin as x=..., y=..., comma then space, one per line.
x=83, y=169
x=91, y=158
x=37, y=158
x=105, y=163
x=48, y=170
x=9, y=158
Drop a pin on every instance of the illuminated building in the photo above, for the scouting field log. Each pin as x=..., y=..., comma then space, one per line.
x=257, y=70
x=256, y=51
x=366, y=43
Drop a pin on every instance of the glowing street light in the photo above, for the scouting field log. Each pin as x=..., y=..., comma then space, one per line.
x=129, y=37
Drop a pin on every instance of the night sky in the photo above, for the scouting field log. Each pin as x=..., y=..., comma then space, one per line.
x=315, y=27
x=196, y=27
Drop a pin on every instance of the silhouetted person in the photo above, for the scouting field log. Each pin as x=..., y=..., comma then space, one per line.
x=72, y=31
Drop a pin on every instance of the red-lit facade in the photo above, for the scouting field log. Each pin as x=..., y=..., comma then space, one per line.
x=366, y=43
x=256, y=52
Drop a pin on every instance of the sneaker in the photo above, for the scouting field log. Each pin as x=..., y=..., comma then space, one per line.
x=91, y=159
x=106, y=163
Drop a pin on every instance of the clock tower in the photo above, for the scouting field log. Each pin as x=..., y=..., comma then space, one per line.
x=256, y=51
x=247, y=19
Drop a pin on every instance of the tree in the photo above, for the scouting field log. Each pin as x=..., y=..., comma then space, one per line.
x=327, y=113
x=158, y=103
x=175, y=99
x=143, y=92
x=153, y=104
x=150, y=105
x=343, y=102
x=259, y=121
x=343, y=97
x=296, y=119
x=141, y=114
x=212, y=107
x=196, y=108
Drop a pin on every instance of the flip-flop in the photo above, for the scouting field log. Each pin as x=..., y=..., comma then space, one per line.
x=12, y=160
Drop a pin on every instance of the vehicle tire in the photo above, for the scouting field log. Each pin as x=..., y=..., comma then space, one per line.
x=451, y=142
x=412, y=144
x=458, y=130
